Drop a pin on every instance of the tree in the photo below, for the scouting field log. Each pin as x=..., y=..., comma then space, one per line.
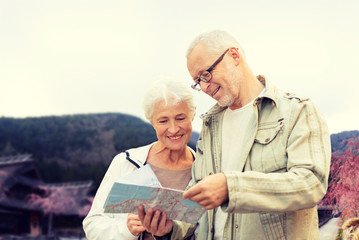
x=343, y=189
x=58, y=200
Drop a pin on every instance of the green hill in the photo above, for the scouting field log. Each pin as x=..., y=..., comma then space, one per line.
x=80, y=147
x=73, y=147
x=338, y=138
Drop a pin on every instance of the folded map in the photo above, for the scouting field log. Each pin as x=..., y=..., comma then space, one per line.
x=125, y=198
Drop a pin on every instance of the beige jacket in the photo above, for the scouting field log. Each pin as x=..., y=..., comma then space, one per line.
x=281, y=175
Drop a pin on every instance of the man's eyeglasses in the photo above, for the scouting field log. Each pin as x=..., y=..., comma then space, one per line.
x=206, y=75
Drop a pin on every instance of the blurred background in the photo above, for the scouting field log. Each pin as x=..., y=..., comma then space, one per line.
x=73, y=73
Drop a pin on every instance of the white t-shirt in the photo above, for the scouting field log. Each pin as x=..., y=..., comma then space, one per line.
x=234, y=126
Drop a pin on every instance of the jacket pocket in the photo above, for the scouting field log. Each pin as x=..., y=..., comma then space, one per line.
x=273, y=226
x=268, y=152
x=267, y=132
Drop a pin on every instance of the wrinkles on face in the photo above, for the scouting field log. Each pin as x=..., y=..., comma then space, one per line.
x=173, y=124
x=224, y=85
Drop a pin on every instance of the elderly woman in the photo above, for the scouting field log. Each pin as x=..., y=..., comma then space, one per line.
x=168, y=105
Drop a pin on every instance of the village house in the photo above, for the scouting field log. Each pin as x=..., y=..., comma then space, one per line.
x=31, y=207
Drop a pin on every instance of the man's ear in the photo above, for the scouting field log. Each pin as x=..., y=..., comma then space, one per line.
x=234, y=53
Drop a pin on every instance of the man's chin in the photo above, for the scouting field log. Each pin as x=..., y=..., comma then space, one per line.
x=225, y=102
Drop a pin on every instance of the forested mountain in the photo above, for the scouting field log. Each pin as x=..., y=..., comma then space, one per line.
x=337, y=140
x=74, y=147
x=80, y=147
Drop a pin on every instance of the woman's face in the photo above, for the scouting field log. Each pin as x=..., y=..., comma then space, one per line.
x=173, y=124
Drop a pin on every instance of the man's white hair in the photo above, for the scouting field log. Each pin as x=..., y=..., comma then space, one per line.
x=171, y=91
x=216, y=41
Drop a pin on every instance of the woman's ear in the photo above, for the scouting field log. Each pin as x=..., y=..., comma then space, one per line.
x=194, y=114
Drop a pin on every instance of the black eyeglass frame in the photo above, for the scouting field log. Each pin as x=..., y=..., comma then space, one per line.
x=208, y=71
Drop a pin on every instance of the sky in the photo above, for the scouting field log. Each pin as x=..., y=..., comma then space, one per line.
x=76, y=56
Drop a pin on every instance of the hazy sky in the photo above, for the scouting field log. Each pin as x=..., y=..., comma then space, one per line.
x=69, y=57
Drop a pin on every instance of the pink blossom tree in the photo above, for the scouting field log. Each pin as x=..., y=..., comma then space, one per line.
x=57, y=200
x=343, y=192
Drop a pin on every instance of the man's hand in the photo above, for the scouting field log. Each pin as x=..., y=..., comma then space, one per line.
x=210, y=192
x=155, y=222
x=134, y=224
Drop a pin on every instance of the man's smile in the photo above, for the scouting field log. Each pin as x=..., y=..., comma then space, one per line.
x=215, y=91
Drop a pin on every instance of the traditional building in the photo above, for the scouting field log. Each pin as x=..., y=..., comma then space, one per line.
x=28, y=205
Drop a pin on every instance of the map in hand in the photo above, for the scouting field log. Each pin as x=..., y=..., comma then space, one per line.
x=125, y=197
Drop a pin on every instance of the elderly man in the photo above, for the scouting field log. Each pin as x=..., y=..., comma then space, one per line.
x=263, y=155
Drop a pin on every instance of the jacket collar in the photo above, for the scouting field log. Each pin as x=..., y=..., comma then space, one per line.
x=270, y=91
x=140, y=154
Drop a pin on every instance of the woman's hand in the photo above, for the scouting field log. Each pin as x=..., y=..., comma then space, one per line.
x=155, y=222
x=134, y=224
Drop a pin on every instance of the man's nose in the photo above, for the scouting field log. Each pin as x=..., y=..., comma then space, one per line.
x=204, y=85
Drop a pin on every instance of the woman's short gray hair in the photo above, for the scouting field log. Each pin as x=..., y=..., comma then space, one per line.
x=171, y=91
x=216, y=42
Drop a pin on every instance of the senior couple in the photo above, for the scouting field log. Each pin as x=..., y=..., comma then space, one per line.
x=261, y=163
